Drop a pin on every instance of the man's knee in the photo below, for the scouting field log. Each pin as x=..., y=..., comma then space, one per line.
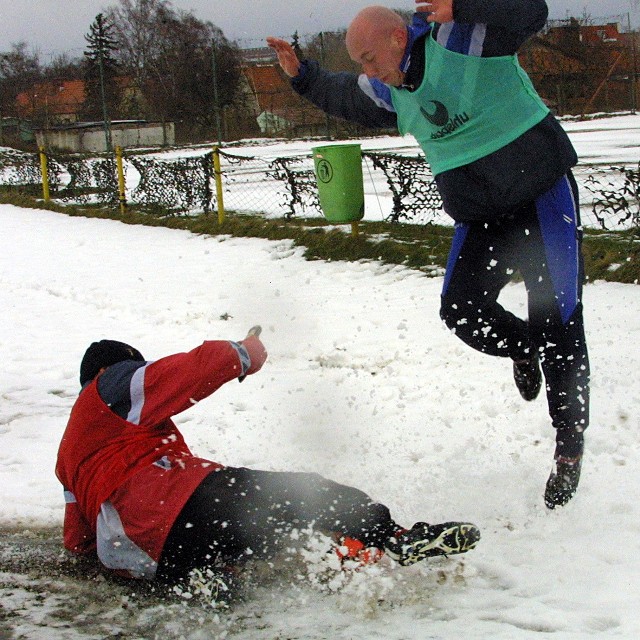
x=452, y=313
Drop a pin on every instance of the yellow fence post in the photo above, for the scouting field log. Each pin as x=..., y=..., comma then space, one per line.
x=45, y=174
x=218, y=176
x=122, y=197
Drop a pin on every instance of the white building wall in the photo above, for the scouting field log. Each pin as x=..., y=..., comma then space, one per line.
x=92, y=140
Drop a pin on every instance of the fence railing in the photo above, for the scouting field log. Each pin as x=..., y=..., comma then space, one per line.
x=398, y=188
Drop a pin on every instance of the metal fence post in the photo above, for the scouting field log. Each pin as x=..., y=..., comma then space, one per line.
x=218, y=177
x=122, y=197
x=45, y=174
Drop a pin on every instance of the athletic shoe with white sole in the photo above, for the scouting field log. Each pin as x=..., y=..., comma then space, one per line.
x=428, y=540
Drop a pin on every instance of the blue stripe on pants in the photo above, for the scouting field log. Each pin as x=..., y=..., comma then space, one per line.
x=558, y=219
x=459, y=235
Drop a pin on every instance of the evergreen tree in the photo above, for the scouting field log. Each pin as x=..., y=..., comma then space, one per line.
x=295, y=43
x=102, y=95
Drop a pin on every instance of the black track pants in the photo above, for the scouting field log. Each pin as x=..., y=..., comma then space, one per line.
x=544, y=245
x=239, y=513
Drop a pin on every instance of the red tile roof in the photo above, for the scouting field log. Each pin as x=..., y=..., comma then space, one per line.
x=57, y=98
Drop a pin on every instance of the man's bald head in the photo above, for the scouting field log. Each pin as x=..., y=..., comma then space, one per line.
x=376, y=39
x=373, y=21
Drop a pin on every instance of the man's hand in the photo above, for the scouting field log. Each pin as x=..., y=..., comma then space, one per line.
x=255, y=349
x=438, y=10
x=286, y=56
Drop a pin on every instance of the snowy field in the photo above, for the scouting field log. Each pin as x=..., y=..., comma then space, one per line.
x=600, y=140
x=364, y=385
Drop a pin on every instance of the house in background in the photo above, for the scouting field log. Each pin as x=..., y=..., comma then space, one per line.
x=277, y=109
x=55, y=102
x=57, y=106
x=576, y=68
x=15, y=131
x=607, y=33
x=582, y=69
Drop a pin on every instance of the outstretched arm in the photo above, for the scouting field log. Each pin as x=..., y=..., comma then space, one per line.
x=147, y=393
x=286, y=56
x=343, y=95
x=521, y=16
x=437, y=10
x=509, y=23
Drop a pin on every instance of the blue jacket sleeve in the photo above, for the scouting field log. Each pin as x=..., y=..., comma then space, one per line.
x=509, y=23
x=346, y=95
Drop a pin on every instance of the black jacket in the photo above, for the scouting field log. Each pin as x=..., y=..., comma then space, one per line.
x=491, y=187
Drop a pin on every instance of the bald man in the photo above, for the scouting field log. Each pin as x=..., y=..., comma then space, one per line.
x=502, y=164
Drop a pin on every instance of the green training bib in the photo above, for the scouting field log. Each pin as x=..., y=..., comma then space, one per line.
x=467, y=106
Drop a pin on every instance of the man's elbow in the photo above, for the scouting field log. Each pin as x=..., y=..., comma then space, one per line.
x=540, y=10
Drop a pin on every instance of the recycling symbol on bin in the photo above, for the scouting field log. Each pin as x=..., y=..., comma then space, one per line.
x=324, y=171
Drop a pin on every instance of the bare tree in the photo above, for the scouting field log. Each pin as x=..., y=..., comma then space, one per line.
x=169, y=53
x=182, y=76
x=136, y=24
x=63, y=67
x=330, y=50
x=20, y=69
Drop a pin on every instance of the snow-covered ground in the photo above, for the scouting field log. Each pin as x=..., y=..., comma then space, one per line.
x=606, y=140
x=614, y=139
x=364, y=385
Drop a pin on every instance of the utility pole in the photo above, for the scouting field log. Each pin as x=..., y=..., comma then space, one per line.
x=634, y=70
x=216, y=100
x=327, y=122
x=103, y=97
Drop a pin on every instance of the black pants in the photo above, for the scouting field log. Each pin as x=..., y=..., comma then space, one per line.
x=483, y=260
x=239, y=513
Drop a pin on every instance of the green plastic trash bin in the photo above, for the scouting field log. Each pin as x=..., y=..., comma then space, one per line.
x=338, y=170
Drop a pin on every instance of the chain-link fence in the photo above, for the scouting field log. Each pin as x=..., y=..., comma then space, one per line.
x=399, y=188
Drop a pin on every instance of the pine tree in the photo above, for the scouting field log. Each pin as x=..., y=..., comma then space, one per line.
x=295, y=43
x=102, y=97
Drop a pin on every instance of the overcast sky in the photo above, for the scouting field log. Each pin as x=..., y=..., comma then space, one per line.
x=55, y=26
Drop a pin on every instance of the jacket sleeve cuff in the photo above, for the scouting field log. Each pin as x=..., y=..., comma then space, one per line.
x=243, y=355
x=301, y=81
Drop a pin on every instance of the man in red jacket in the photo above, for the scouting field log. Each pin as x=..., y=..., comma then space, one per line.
x=137, y=496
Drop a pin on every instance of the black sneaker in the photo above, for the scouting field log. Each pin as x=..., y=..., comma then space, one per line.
x=528, y=377
x=563, y=481
x=425, y=541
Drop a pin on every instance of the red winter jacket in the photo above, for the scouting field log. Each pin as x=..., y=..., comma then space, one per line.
x=122, y=454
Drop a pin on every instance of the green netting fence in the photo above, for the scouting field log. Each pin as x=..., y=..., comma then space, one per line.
x=398, y=188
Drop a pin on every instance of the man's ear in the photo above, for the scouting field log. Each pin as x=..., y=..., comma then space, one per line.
x=399, y=37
